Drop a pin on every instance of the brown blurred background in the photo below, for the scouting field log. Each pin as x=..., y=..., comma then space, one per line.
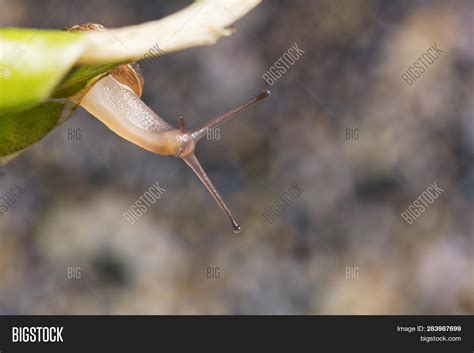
x=340, y=248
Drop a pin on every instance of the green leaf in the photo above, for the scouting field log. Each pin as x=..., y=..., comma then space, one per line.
x=33, y=63
x=79, y=77
x=21, y=129
x=36, y=65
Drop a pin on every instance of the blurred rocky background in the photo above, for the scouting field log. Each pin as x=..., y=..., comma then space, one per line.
x=341, y=124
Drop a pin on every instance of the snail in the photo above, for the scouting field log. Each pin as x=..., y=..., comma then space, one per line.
x=115, y=100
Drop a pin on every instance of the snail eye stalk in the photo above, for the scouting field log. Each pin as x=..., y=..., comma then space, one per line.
x=218, y=120
x=193, y=162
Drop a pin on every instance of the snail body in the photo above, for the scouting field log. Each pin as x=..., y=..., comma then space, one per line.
x=123, y=112
x=115, y=101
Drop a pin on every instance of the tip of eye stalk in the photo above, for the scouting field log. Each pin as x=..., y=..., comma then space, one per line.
x=237, y=227
x=264, y=94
